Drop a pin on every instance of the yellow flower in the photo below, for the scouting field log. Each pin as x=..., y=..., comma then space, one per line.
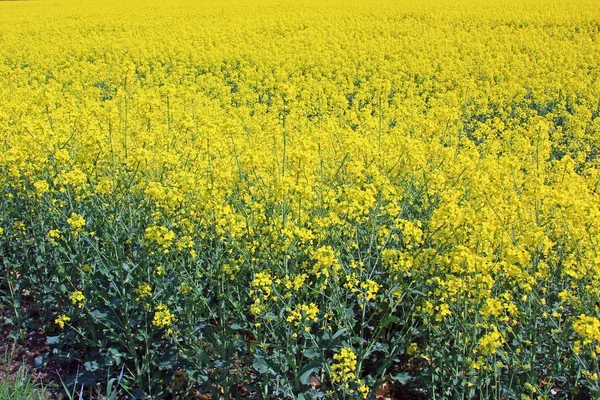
x=490, y=342
x=296, y=283
x=369, y=290
x=262, y=283
x=77, y=298
x=363, y=389
x=162, y=316
x=104, y=186
x=41, y=187
x=325, y=262
x=412, y=348
x=443, y=312
x=344, y=366
x=184, y=288
x=161, y=235
x=303, y=314
x=492, y=308
x=257, y=307
x=144, y=290
x=588, y=328
x=61, y=320
x=53, y=236
x=76, y=222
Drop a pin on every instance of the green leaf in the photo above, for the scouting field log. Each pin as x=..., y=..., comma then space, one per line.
x=390, y=319
x=98, y=315
x=260, y=365
x=402, y=378
x=91, y=366
x=307, y=371
x=338, y=334
x=311, y=353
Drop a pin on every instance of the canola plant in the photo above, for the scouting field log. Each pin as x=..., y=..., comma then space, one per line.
x=304, y=199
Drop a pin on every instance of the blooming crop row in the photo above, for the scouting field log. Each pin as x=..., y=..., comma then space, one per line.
x=305, y=199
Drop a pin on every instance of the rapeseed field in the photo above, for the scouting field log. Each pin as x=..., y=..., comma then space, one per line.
x=304, y=199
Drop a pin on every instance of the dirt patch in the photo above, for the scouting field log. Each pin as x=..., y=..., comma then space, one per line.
x=23, y=353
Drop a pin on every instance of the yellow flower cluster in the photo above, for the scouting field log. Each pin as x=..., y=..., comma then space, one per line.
x=588, y=328
x=76, y=222
x=41, y=187
x=77, y=298
x=362, y=152
x=296, y=283
x=184, y=288
x=492, y=308
x=262, y=283
x=61, y=321
x=162, y=316
x=231, y=268
x=144, y=290
x=161, y=235
x=343, y=369
x=490, y=342
x=412, y=348
x=369, y=290
x=304, y=314
x=325, y=262
x=53, y=235
x=261, y=291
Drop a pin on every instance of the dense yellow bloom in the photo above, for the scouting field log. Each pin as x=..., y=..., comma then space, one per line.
x=369, y=290
x=325, y=261
x=75, y=178
x=76, y=222
x=162, y=316
x=492, y=308
x=321, y=151
x=262, y=283
x=144, y=290
x=62, y=320
x=296, y=283
x=77, y=298
x=303, y=314
x=104, y=186
x=588, y=328
x=490, y=342
x=344, y=367
x=41, y=186
x=163, y=236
